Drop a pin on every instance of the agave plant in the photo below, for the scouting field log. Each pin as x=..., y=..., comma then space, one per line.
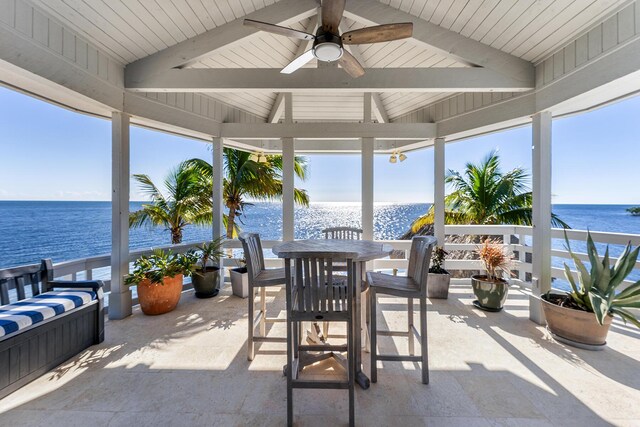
x=596, y=290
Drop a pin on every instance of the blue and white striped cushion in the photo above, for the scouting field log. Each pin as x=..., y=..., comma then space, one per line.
x=22, y=314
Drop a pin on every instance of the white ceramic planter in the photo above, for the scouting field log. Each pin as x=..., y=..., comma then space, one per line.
x=240, y=282
x=438, y=285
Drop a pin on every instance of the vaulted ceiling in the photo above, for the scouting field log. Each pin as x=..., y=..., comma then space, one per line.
x=132, y=30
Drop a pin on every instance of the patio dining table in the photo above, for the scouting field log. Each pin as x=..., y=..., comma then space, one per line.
x=367, y=250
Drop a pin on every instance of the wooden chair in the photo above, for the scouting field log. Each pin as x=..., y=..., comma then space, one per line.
x=414, y=285
x=344, y=233
x=259, y=278
x=314, y=293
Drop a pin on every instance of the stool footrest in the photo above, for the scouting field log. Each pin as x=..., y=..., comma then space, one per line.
x=269, y=339
x=320, y=384
x=398, y=358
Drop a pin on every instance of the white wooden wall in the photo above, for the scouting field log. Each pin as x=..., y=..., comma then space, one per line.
x=34, y=25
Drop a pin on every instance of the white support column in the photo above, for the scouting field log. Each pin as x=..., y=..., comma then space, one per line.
x=288, y=176
x=217, y=148
x=541, y=268
x=438, y=190
x=217, y=225
x=120, y=298
x=367, y=175
x=288, y=154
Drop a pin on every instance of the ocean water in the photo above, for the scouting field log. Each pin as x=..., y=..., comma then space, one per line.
x=32, y=230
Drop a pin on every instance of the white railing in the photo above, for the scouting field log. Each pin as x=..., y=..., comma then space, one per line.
x=88, y=268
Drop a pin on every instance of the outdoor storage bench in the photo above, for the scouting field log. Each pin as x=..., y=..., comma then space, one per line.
x=44, y=322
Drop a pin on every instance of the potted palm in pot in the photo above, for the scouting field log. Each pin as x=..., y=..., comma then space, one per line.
x=439, y=278
x=159, y=279
x=491, y=289
x=206, y=277
x=583, y=316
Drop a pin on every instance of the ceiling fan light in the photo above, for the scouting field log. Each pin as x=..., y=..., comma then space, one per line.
x=262, y=158
x=253, y=157
x=393, y=158
x=402, y=157
x=327, y=51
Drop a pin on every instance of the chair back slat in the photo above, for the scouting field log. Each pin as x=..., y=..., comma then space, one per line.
x=314, y=290
x=253, y=253
x=343, y=233
x=25, y=281
x=419, y=259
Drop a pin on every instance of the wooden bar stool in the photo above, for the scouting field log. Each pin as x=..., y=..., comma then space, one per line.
x=259, y=278
x=314, y=293
x=414, y=285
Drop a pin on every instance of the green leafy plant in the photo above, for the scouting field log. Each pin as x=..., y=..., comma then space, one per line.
x=484, y=194
x=495, y=259
x=210, y=251
x=161, y=264
x=634, y=211
x=596, y=289
x=437, y=261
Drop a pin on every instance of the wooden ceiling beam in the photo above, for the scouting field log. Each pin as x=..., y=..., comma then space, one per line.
x=320, y=80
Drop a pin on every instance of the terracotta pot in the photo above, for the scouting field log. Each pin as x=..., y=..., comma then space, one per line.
x=160, y=298
x=490, y=294
x=579, y=326
x=206, y=283
x=438, y=285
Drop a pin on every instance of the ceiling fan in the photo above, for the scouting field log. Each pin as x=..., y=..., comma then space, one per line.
x=328, y=43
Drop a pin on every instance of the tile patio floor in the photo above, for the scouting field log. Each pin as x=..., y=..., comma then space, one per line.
x=189, y=367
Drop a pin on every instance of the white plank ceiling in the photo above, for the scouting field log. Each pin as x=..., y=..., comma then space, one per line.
x=132, y=29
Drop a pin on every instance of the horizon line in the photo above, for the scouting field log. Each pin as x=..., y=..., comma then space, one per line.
x=311, y=202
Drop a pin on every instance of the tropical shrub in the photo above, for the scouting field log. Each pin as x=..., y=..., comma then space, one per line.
x=210, y=251
x=161, y=264
x=635, y=211
x=437, y=261
x=596, y=289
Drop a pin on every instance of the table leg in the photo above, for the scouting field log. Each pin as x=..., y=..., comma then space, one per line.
x=360, y=376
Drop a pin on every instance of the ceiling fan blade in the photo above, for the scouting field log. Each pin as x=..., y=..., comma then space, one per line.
x=351, y=65
x=332, y=11
x=379, y=33
x=276, y=29
x=299, y=62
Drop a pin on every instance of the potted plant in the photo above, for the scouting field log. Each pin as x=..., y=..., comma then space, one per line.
x=240, y=279
x=159, y=279
x=582, y=317
x=491, y=289
x=206, y=277
x=439, y=278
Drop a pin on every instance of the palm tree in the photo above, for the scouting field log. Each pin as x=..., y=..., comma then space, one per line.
x=485, y=195
x=246, y=178
x=182, y=203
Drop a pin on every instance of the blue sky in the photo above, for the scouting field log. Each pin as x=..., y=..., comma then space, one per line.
x=49, y=153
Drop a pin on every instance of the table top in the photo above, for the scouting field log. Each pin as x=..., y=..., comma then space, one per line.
x=364, y=250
